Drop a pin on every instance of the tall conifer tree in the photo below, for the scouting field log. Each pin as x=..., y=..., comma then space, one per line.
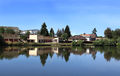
x=44, y=30
x=67, y=30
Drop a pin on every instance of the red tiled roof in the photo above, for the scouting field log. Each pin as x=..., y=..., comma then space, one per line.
x=85, y=34
x=89, y=35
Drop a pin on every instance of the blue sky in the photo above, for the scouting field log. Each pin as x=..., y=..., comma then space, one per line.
x=81, y=15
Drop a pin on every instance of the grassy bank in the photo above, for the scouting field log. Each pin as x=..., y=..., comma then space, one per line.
x=105, y=42
x=37, y=44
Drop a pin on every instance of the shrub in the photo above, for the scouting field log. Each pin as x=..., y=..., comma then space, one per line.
x=2, y=42
x=77, y=43
x=80, y=42
x=109, y=42
x=98, y=42
x=74, y=43
x=118, y=42
x=105, y=42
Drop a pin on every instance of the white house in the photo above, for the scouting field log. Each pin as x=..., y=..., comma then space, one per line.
x=42, y=39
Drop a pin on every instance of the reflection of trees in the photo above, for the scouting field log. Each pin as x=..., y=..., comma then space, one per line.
x=66, y=55
x=93, y=52
x=1, y=52
x=110, y=52
x=64, y=52
x=83, y=50
x=14, y=52
x=24, y=52
x=43, y=58
x=107, y=55
x=51, y=54
x=10, y=52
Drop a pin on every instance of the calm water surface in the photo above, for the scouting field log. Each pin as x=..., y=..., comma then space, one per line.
x=54, y=61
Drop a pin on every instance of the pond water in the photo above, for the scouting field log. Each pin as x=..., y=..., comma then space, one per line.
x=59, y=61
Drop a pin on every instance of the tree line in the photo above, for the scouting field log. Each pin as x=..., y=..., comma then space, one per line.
x=112, y=34
x=6, y=31
x=64, y=33
x=112, y=38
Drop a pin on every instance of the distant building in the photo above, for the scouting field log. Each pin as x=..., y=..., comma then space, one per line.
x=33, y=31
x=89, y=37
x=11, y=37
x=76, y=38
x=16, y=29
x=42, y=39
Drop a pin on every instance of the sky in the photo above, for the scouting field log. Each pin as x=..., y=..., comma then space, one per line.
x=81, y=15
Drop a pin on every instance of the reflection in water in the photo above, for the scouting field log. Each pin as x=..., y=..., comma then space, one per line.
x=33, y=52
x=44, y=52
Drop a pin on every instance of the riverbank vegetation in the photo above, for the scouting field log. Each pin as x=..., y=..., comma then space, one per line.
x=78, y=43
x=104, y=42
x=2, y=42
x=112, y=37
x=36, y=44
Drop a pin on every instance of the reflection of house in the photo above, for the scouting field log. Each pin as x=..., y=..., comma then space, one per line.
x=85, y=37
x=89, y=37
x=33, y=52
x=87, y=50
x=42, y=39
x=11, y=37
x=55, y=50
x=76, y=38
x=41, y=51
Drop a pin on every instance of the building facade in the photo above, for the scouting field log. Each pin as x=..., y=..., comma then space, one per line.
x=11, y=37
x=42, y=39
x=16, y=29
x=89, y=37
x=77, y=38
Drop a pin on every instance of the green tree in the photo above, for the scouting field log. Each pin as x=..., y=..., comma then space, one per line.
x=94, y=31
x=63, y=30
x=27, y=33
x=52, y=32
x=2, y=42
x=9, y=31
x=24, y=37
x=2, y=30
x=64, y=36
x=59, y=33
x=67, y=30
x=44, y=30
x=116, y=34
x=108, y=33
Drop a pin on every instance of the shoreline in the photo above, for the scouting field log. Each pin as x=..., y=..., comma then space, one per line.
x=51, y=44
x=37, y=44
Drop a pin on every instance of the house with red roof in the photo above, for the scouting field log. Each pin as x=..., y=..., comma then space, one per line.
x=89, y=37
